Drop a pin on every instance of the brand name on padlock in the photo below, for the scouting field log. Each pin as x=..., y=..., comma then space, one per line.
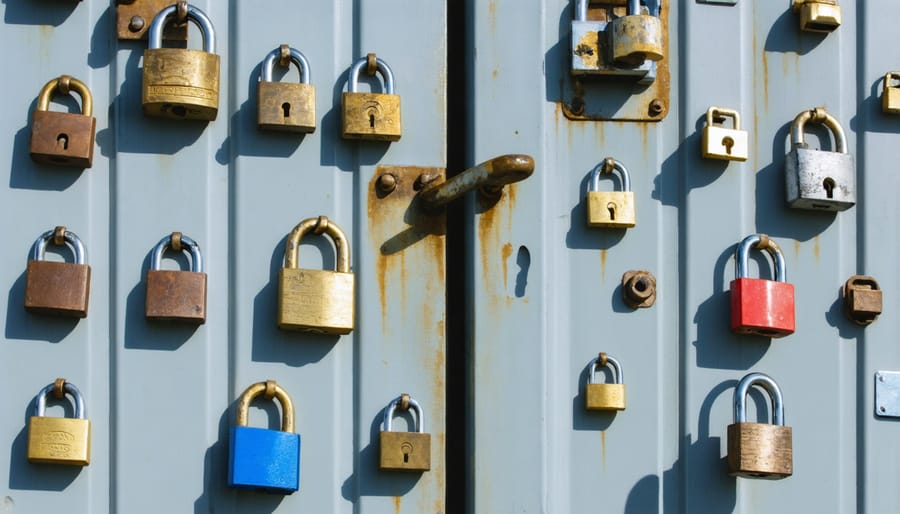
x=194, y=92
x=57, y=437
x=56, y=450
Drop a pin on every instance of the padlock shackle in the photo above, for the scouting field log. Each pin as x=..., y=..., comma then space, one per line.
x=40, y=404
x=64, y=84
x=39, y=248
x=723, y=112
x=766, y=383
x=294, y=55
x=320, y=225
x=387, y=76
x=414, y=406
x=817, y=115
x=611, y=363
x=634, y=7
x=762, y=242
x=270, y=389
x=581, y=10
x=166, y=242
x=200, y=19
x=609, y=165
x=890, y=76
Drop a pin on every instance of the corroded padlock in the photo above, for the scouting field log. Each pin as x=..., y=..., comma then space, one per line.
x=610, y=396
x=816, y=179
x=727, y=144
x=60, y=288
x=890, y=96
x=282, y=105
x=636, y=37
x=59, y=440
x=405, y=451
x=862, y=299
x=374, y=116
x=759, y=450
x=176, y=295
x=612, y=209
x=63, y=138
x=759, y=306
x=316, y=300
x=586, y=35
x=818, y=15
x=181, y=83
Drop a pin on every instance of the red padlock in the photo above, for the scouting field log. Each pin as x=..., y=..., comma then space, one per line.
x=759, y=306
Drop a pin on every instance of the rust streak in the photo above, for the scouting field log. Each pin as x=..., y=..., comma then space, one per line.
x=816, y=251
x=797, y=249
x=397, y=502
x=506, y=252
x=603, y=264
x=603, y=448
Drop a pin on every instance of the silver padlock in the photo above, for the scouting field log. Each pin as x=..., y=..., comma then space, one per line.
x=816, y=179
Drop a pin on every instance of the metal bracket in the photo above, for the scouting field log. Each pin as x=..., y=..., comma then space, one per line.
x=133, y=18
x=887, y=394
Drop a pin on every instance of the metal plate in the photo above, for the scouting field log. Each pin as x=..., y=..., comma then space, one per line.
x=887, y=394
x=145, y=10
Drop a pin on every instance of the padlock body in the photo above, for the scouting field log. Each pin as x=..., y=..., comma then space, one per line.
x=890, y=100
x=373, y=116
x=758, y=450
x=762, y=307
x=315, y=300
x=405, y=451
x=819, y=16
x=181, y=84
x=725, y=144
x=862, y=299
x=586, y=46
x=611, y=209
x=287, y=107
x=63, y=138
x=176, y=296
x=808, y=171
x=58, y=288
x=264, y=459
x=635, y=39
x=605, y=397
x=59, y=441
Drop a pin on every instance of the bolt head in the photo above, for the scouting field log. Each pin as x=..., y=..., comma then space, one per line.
x=136, y=24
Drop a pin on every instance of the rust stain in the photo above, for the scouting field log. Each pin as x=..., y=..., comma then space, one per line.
x=492, y=15
x=397, y=501
x=816, y=249
x=603, y=448
x=644, y=135
x=495, y=73
x=797, y=249
x=490, y=227
x=506, y=253
x=603, y=264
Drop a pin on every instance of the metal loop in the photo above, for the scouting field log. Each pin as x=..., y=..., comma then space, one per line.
x=817, y=115
x=72, y=84
x=287, y=406
x=581, y=10
x=318, y=225
x=766, y=383
x=721, y=112
x=889, y=77
x=387, y=76
x=418, y=413
x=63, y=83
x=167, y=242
x=194, y=14
x=59, y=388
x=40, y=407
x=181, y=11
x=176, y=241
x=609, y=165
x=611, y=363
x=761, y=242
x=268, y=66
x=634, y=7
x=39, y=248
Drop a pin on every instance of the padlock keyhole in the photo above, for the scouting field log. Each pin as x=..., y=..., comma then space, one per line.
x=62, y=141
x=286, y=109
x=179, y=110
x=371, y=120
x=611, y=207
x=406, y=458
x=727, y=142
x=828, y=184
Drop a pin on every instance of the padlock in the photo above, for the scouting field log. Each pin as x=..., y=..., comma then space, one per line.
x=586, y=36
x=373, y=116
x=611, y=209
x=636, y=37
x=816, y=179
x=724, y=143
x=264, y=459
x=282, y=105
x=176, y=295
x=605, y=396
x=862, y=299
x=759, y=306
x=178, y=82
x=63, y=138
x=59, y=440
x=759, y=450
x=818, y=15
x=890, y=97
x=405, y=451
x=316, y=300
x=59, y=288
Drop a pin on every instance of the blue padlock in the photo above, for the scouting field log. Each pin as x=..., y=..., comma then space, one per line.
x=264, y=459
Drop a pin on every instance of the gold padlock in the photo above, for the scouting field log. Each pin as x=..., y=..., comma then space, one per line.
x=181, y=83
x=63, y=138
x=405, y=451
x=176, y=295
x=862, y=299
x=285, y=106
x=59, y=440
x=316, y=300
x=818, y=15
x=373, y=116
x=759, y=450
x=605, y=396
x=723, y=143
x=612, y=209
x=890, y=97
x=60, y=288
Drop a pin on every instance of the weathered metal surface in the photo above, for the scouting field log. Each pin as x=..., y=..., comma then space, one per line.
x=133, y=18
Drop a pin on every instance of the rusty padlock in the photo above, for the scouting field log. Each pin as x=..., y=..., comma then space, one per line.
x=63, y=138
x=759, y=306
x=59, y=288
x=862, y=299
x=282, y=105
x=818, y=15
x=759, y=450
x=176, y=295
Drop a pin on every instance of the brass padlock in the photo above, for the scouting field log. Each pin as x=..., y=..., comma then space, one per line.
x=862, y=299
x=63, y=138
x=818, y=15
x=612, y=209
x=405, y=451
x=724, y=143
x=59, y=288
x=890, y=96
x=316, y=300
x=758, y=450
x=605, y=396
x=374, y=116
x=176, y=295
x=59, y=440
x=282, y=105
x=178, y=82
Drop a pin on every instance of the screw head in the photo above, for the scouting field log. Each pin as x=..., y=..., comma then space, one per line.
x=136, y=24
x=386, y=183
x=657, y=107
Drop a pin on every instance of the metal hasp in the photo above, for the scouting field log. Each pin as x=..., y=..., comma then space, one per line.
x=759, y=450
x=819, y=180
x=758, y=306
x=133, y=19
x=818, y=15
x=862, y=299
x=489, y=177
x=887, y=394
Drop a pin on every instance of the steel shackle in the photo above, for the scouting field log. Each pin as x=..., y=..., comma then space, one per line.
x=609, y=165
x=319, y=225
x=762, y=242
x=59, y=236
x=64, y=84
x=60, y=388
x=817, y=115
x=382, y=67
x=284, y=55
x=155, y=33
x=765, y=382
x=269, y=389
x=177, y=241
x=602, y=361
x=405, y=402
x=721, y=112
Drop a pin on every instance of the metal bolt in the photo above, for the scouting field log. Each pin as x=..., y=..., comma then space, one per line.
x=423, y=180
x=638, y=289
x=576, y=106
x=882, y=409
x=657, y=107
x=136, y=24
x=386, y=183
